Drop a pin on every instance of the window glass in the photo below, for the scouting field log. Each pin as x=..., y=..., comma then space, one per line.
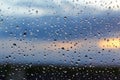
x=59, y=39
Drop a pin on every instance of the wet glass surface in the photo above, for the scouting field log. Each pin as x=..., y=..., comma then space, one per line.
x=59, y=39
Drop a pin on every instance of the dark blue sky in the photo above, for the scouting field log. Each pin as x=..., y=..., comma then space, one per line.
x=56, y=27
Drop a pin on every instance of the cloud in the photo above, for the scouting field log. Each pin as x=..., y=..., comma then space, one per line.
x=56, y=7
x=14, y=10
x=99, y=4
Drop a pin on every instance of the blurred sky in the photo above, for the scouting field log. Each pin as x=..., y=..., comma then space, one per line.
x=36, y=24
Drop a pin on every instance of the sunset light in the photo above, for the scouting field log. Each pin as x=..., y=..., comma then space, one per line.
x=109, y=43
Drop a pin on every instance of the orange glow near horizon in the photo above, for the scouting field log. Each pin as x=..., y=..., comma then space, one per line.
x=109, y=43
x=64, y=45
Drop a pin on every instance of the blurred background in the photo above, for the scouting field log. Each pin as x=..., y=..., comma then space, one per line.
x=59, y=39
